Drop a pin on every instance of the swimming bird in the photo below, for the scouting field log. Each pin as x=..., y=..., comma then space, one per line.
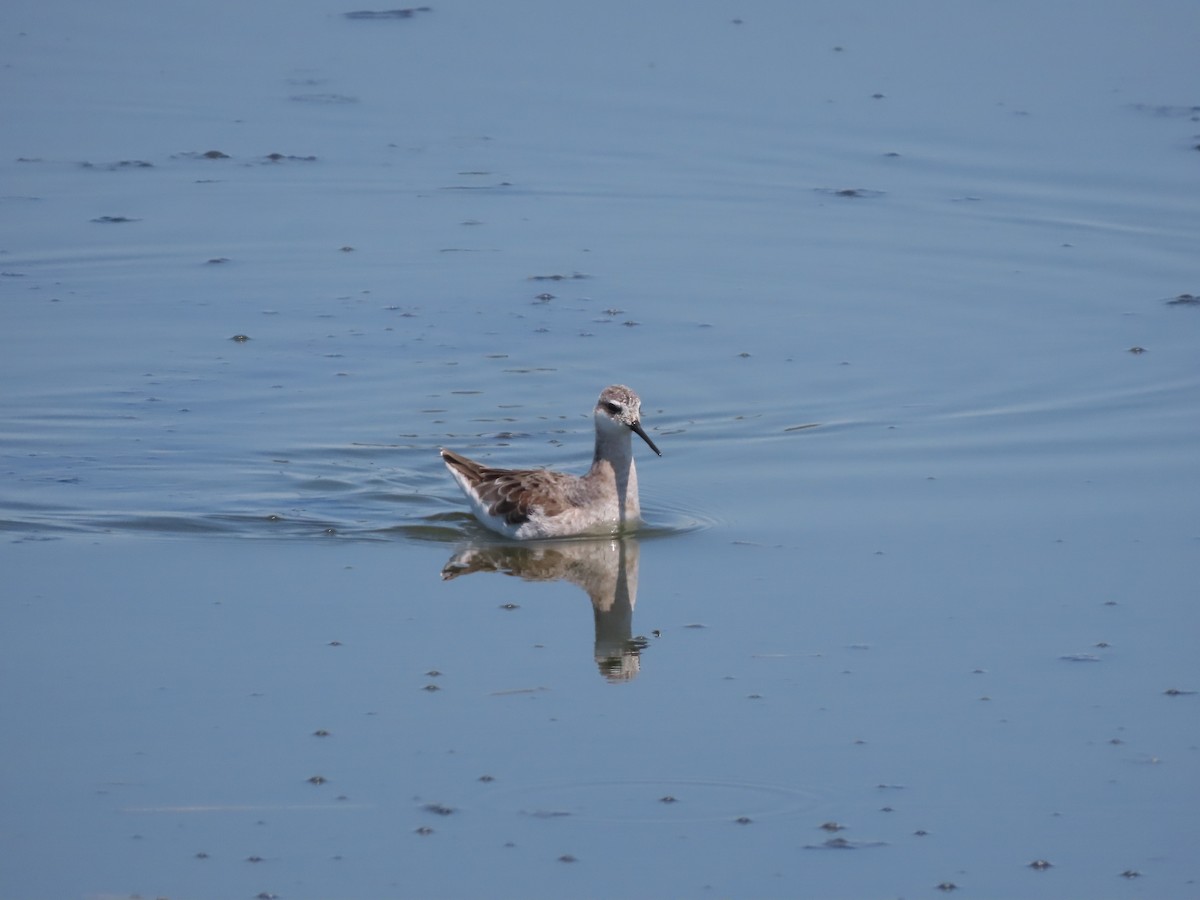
x=528, y=504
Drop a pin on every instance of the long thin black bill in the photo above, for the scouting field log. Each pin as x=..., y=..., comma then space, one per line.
x=637, y=427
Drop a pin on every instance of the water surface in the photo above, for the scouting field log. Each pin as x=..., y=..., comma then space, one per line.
x=915, y=604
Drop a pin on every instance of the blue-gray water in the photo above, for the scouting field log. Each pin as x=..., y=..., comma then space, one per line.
x=895, y=286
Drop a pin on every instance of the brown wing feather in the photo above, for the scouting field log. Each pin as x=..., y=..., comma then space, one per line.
x=513, y=494
x=516, y=493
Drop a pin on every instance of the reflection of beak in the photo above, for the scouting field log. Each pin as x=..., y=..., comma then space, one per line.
x=637, y=428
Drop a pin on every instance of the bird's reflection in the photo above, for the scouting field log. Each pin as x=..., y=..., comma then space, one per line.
x=606, y=569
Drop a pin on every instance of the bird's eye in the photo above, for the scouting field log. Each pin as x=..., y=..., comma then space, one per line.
x=612, y=407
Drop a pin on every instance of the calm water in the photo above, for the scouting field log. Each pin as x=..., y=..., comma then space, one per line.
x=922, y=550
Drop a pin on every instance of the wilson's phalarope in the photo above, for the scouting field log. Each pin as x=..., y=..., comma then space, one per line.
x=527, y=504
